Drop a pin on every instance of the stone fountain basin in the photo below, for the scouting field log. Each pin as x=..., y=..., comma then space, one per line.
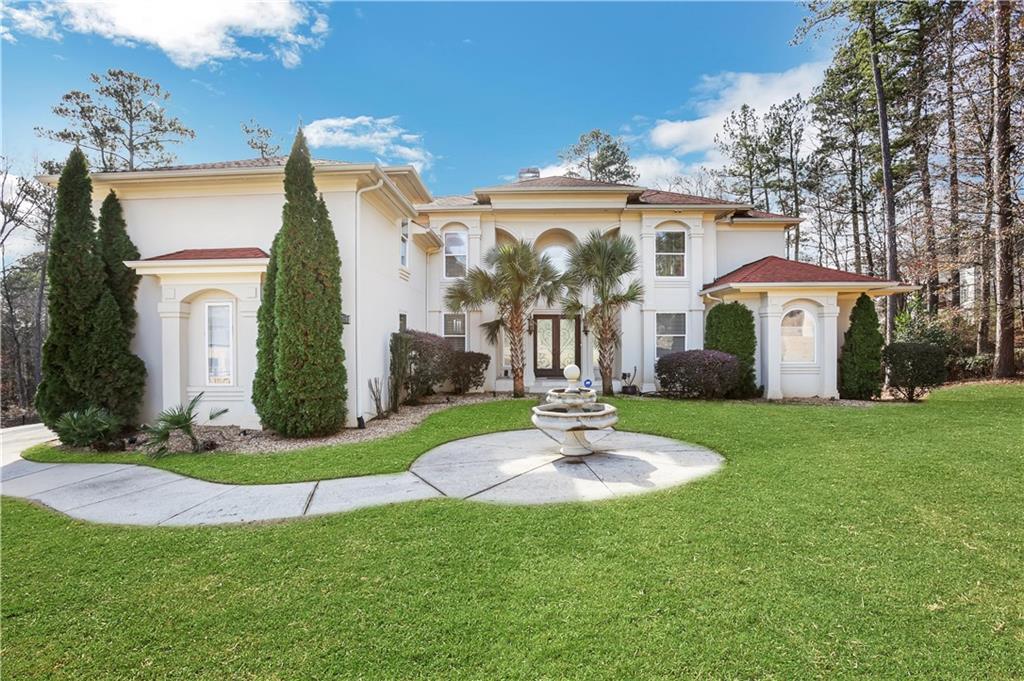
x=574, y=417
x=572, y=396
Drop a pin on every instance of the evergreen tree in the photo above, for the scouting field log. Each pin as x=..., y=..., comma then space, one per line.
x=117, y=378
x=309, y=362
x=264, y=389
x=730, y=328
x=860, y=365
x=76, y=280
x=114, y=247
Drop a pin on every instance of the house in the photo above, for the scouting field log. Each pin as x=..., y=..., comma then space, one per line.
x=204, y=232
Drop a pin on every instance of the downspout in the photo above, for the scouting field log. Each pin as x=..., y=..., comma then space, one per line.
x=355, y=307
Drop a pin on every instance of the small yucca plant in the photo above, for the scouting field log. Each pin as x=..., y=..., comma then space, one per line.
x=180, y=418
x=90, y=427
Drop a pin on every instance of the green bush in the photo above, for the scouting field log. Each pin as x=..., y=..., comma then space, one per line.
x=114, y=247
x=180, y=418
x=264, y=387
x=702, y=374
x=429, y=363
x=730, y=328
x=90, y=427
x=400, y=348
x=309, y=362
x=117, y=378
x=975, y=366
x=949, y=329
x=468, y=371
x=914, y=367
x=860, y=365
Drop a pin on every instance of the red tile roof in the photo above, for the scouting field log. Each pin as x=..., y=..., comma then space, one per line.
x=775, y=270
x=212, y=254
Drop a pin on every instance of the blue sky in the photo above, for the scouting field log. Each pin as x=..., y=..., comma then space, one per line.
x=469, y=92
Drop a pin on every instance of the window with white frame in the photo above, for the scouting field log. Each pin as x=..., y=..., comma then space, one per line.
x=455, y=330
x=670, y=253
x=670, y=335
x=456, y=247
x=219, y=344
x=798, y=337
x=403, y=249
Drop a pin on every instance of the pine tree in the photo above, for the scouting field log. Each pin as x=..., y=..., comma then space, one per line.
x=730, y=328
x=860, y=365
x=76, y=281
x=117, y=378
x=114, y=247
x=264, y=389
x=309, y=369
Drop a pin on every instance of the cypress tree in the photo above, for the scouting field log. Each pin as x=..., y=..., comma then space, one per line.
x=117, y=378
x=730, y=328
x=264, y=388
x=309, y=369
x=860, y=365
x=114, y=246
x=76, y=279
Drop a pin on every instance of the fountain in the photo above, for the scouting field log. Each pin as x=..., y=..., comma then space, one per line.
x=573, y=411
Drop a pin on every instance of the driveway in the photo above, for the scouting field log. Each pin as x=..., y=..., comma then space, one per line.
x=13, y=441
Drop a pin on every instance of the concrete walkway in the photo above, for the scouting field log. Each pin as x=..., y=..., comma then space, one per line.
x=518, y=467
x=15, y=440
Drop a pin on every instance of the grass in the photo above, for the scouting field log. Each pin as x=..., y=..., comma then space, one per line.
x=882, y=542
x=386, y=455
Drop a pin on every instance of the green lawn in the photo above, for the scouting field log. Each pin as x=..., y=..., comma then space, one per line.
x=883, y=542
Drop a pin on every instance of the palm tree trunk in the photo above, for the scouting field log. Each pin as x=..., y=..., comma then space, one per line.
x=515, y=344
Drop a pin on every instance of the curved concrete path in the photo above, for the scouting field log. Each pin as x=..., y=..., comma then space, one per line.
x=519, y=467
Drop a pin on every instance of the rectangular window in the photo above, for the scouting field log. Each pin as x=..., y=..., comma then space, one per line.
x=455, y=330
x=403, y=253
x=670, y=254
x=402, y=322
x=670, y=335
x=455, y=249
x=219, y=350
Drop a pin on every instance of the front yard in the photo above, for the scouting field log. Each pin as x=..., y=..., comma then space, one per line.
x=882, y=542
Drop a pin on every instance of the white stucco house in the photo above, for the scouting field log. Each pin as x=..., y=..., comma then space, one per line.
x=204, y=232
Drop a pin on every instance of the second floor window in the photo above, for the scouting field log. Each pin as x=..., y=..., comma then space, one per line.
x=403, y=252
x=455, y=250
x=670, y=253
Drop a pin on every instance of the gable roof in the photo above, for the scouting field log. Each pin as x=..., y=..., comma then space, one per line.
x=659, y=197
x=212, y=254
x=775, y=270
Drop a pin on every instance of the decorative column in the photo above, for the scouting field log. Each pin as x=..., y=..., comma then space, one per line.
x=695, y=318
x=771, y=333
x=474, y=340
x=647, y=310
x=174, y=316
x=830, y=350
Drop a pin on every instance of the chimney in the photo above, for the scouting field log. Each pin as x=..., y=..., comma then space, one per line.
x=528, y=174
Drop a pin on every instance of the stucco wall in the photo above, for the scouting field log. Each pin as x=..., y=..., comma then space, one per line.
x=739, y=245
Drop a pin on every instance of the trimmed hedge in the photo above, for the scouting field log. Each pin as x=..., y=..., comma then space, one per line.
x=914, y=367
x=729, y=328
x=468, y=370
x=703, y=374
x=429, y=364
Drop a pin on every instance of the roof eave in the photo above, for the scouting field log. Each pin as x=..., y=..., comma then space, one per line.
x=877, y=288
x=171, y=266
x=684, y=206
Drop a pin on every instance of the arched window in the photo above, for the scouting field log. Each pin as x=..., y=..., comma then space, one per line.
x=559, y=257
x=456, y=250
x=798, y=337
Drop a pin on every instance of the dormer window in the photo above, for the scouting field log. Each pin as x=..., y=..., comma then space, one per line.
x=670, y=253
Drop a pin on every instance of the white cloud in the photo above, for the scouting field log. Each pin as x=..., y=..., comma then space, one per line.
x=190, y=32
x=382, y=137
x=720, y=94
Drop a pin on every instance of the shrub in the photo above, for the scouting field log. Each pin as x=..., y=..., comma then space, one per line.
x=180, y=418
x=705, y=374
x=914, y=367
x=975, y=366
x=468, y=370
x=264, y=387
x=949, y=329
x=401, y=349
x=429, y=361
x=730, y=328
x=117, y=378
x=91, y=427
x=860, y=365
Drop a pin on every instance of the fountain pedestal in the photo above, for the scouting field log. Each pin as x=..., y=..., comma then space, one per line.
x=574, y=411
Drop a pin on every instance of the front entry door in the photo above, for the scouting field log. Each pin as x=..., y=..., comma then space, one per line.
x=556, y=345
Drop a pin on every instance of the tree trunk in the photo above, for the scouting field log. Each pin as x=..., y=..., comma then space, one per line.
x=515, y=344
x=853, y=206
x=607, y=336
x=921, y=146
x=983, y=280
x=38, y=330
x=954, y=171
x=889, y=200
x=1002, y=191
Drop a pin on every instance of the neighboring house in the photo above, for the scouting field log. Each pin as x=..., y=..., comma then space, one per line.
x=204, y=232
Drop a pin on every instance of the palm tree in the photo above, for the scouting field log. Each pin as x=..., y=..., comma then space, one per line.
x=514, y=280
x=599, y=264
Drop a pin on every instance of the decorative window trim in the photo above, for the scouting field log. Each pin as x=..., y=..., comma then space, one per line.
x=681, y=229
x=808, y=314
x=464, y=335
x=231, y=342
x=682, y=335
x=445, y=254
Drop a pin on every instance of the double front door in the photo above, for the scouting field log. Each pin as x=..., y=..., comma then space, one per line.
x=556, y=345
